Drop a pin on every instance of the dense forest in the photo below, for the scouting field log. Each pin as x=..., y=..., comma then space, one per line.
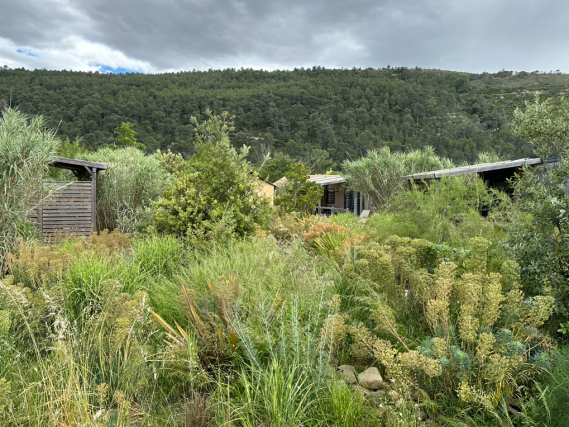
x=304, y=113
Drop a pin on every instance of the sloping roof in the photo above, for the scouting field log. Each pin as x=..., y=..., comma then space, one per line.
x=318, y=179
x=280, y=182
x=74, y=164
x=262, y=179
x=327, y=179
x=268, y=182
x=463, y=170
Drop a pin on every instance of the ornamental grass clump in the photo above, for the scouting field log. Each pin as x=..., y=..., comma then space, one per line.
x=331, y=240
x=26, y=149
x=128, y=188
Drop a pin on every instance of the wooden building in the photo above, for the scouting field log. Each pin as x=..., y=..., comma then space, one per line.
x=267, y=189
x=494, y=175
x=337, y=198
x=73, y=207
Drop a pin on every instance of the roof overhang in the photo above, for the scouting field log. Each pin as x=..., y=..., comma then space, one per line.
x=484, y=167
x=77, y=165
x=327, y=179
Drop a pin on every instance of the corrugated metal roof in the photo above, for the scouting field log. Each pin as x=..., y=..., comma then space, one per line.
x=327, y=179
x=318, y=179
x=463, y=170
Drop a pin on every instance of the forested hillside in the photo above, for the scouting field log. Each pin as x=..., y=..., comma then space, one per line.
x=299, y=113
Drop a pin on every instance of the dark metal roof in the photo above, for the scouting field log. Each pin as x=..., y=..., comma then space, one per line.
x=79, y=165
x=463, y=170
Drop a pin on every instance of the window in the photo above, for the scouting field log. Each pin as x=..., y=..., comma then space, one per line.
x=330, y=196
x=349, y=200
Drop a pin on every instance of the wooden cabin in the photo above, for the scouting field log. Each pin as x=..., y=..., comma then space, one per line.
x=494, y=175
x=267, y=189
x=73, y=208
x=337, y=198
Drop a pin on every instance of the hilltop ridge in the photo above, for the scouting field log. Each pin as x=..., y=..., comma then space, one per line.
x=314, y=112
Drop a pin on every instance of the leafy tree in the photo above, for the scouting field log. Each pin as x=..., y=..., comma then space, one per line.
x=378, y=174
x=214, y=195
x=298, y=194
x=275, y=169
x=318, y=161
x=544, y=125
x=342, y=112
x=127, y=136
x=540, y=236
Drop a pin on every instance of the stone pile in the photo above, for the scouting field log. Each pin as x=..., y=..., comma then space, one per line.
x=370, y=384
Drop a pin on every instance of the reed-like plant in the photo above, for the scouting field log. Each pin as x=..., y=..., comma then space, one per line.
x=26, y=149
x=130, y=185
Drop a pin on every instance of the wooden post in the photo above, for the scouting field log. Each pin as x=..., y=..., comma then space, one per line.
x=94, y=200
x=40, y=219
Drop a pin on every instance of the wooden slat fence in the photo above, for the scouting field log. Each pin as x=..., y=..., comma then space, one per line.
x=68, y=211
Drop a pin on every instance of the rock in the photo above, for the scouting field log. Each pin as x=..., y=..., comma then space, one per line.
x=362, y=390
x=375, y=397
x=371, y=379
x=348, y=373
x=393, y=395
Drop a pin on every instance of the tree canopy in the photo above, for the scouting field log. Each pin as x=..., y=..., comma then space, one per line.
x=305, y=113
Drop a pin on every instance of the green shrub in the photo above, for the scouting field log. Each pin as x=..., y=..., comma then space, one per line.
x=539, y=241
x=215, y=194
x=298, y=194
x=446, y=211
x=479, y=336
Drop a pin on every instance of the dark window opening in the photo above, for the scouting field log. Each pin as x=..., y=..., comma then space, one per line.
x=330, y=197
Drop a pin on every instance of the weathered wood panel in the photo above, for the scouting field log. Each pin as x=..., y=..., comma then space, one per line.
x=69, y=211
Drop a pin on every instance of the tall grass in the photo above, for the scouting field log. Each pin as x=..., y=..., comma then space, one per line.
x=26, y=148
x=127, y=189
x=276, y=396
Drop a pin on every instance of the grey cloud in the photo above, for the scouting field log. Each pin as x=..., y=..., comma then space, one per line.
x=470, y=35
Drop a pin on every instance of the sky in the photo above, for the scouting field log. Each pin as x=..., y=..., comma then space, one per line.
x=154, y=36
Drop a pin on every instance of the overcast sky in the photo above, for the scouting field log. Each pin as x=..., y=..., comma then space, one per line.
x=153, y=36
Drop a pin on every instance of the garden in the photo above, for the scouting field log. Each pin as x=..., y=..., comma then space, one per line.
x=198, y=303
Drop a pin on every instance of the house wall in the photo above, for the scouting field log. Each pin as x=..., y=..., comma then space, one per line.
x=339, y=197
x=267, y=190
x=68, y=211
